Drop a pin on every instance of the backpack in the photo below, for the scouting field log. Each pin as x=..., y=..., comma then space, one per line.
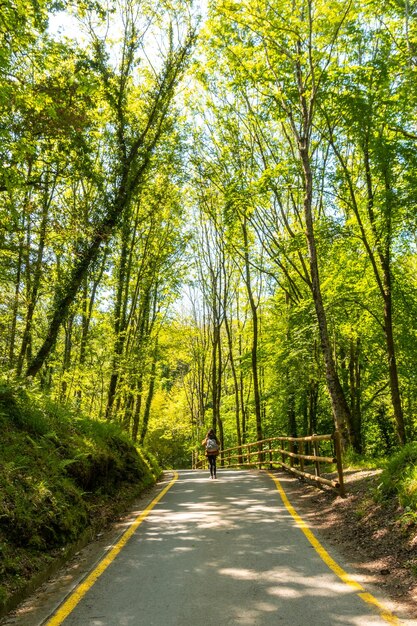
x=212, y=445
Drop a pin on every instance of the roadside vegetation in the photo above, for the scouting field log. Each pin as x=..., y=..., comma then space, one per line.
x=399, y=480
x=393, y=484
x=61, y=476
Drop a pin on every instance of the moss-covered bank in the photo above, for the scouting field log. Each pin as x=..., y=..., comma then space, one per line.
x=60, y=475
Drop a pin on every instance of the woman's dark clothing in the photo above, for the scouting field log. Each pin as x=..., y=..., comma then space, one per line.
x=212, y=461
x=211, y=456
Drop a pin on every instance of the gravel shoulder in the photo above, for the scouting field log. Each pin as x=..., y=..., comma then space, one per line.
x=377, y=540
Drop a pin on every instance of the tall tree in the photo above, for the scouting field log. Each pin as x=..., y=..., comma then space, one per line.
x=139, y=110
x=290, y=51
x=368, y=150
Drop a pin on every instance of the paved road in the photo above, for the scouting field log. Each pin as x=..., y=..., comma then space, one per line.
x=220, y=552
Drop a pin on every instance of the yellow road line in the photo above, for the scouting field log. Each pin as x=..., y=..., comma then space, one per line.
x=330, y=562
x=79, y=592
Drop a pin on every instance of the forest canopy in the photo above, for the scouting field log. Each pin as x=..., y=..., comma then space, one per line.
x=208, y=217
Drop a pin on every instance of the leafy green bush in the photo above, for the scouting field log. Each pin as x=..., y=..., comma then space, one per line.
x=400, y=477
x=59, y=474
x=152, y=462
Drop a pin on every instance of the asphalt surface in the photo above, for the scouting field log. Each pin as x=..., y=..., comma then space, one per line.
x=216, y=553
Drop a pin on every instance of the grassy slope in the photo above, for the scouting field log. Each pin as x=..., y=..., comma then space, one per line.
x=59, y=475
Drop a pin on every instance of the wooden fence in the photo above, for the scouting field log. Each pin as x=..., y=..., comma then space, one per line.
x=286, y=452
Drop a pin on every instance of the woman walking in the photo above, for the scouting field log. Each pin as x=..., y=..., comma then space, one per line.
x=212, y=446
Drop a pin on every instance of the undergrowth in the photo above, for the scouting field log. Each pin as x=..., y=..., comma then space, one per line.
x=399, y=478
x=353, y=460
x=60, y=474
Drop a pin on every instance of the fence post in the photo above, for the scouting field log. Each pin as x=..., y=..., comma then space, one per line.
x=316, y=453
x=283, y=456
x=260, y=455
x=301, y=452
x=270, y=454
x=338, y=449
x=291, y=450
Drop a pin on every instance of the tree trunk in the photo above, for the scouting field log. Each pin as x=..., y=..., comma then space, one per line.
x=119, y=312
x=138, y=407
x=255, y=333
x=292, y=422
x=339, y=404
x=149, y=397
x=242, y=398
x=35, y=285
x=215, y=380
x=392, y=362
x=313, y=396
x=66, y=363
x=355, y=395
x=378, y=249
x=15, y=307
x=235, y=383
x=384, y=253
x=88, y=300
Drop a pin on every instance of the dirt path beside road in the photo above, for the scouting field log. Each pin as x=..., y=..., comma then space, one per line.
x=369, y=535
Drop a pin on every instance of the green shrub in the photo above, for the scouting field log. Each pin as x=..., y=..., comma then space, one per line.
x=59, y=474
x=400, y=477
x=151, y=462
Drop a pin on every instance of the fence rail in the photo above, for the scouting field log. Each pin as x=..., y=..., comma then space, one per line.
x=279, y=450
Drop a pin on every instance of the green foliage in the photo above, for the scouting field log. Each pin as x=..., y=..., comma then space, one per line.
x=168, y=439
x=399, y=479
x=91, y=126
x=353, y=460
x=59, y=475
x=170, y=447
x=15, y=408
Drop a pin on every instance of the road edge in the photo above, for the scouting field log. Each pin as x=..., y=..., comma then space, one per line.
x=346, y=578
